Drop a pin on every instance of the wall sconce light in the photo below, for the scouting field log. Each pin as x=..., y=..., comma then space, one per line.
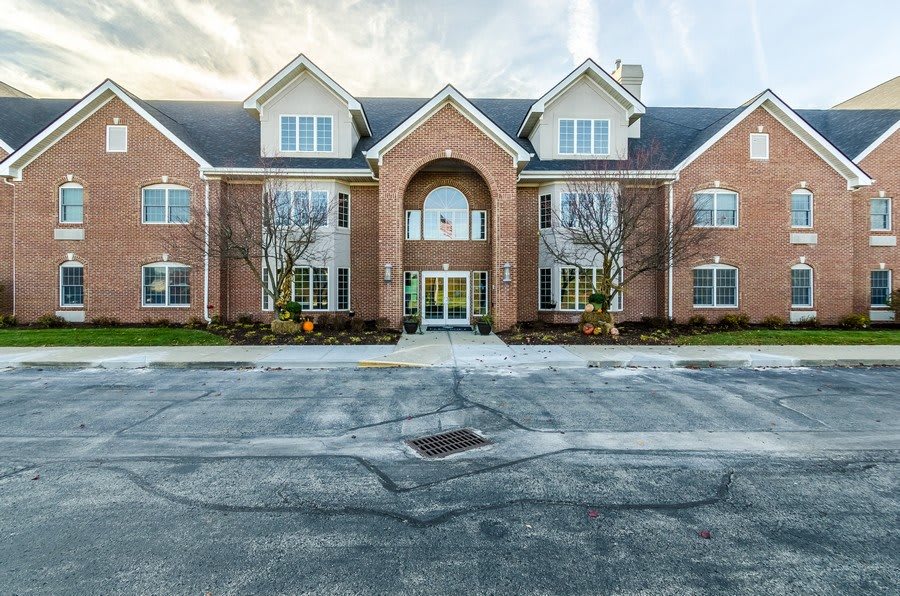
x=506, y=273
x=388, y=268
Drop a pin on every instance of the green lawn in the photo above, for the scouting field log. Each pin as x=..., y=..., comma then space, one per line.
x=833, y=337
x=108, y=336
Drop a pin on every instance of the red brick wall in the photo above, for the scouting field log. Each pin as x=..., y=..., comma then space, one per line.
x=6, y=244
x=760, y=245
x=366, y=278
x=116, y=243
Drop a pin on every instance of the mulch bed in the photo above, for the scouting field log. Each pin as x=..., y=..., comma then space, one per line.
x=539, y=333
x=256, y=334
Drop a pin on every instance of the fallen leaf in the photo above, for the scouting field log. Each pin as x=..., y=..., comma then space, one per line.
x=593, y=513
x=37, y=477
x=705, y=534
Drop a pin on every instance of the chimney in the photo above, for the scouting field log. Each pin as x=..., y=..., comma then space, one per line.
x=631, y=76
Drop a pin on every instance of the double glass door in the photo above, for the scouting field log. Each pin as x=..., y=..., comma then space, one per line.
x=445, y=298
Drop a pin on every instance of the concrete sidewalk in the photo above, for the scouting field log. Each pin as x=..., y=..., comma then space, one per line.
x=451, y=349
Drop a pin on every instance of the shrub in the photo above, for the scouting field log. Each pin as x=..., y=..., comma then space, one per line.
x=598, y=299
x=157, y=322
x=8, y=321
x=341, y=321
x=735, y=321
x=656, y=322
x=50, y=321
x=105, y=322
x=774, y=322
x=357, y=325
x=244, y=318
x=697, y=321
x=325, y=322
x=383, y=324
x=855, y=321
x=195, y=323
x=808, y=323
x=893, y=303
x=295, y=308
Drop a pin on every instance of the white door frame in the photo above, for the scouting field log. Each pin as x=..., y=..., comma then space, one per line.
x=445, y=275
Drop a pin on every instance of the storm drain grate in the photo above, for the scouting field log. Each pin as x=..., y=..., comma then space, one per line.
x=447, y=443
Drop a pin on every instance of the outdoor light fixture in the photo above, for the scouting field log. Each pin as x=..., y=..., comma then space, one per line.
x=387, y=272
x=506, y=273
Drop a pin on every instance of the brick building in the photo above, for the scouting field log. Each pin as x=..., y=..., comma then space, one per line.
x=437, y=206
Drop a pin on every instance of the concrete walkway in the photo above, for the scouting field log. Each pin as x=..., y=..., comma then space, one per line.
x=451, y=349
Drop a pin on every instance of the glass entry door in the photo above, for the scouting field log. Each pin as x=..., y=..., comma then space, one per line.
x=445, y=298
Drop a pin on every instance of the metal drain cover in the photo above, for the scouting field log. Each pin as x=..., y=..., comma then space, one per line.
x=447, y=443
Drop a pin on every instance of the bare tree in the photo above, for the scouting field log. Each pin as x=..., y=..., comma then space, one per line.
x=614, y=216
x=270, y=228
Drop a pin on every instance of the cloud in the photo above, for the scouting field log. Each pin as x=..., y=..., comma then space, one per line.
x=582, y=38
x=759, y=53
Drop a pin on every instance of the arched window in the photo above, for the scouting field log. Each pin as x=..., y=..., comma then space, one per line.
x=165, y=204
x=71, y=203
x=801, y=209
x=715, y=286
x=801, y=286
x=716, y=208
x=446, y=215
x=71, y=284
x=166, y=284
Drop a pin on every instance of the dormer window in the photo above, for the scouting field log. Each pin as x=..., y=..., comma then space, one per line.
x=583, y=137
x=306, y=134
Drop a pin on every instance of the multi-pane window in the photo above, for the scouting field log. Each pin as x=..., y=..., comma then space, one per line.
x=71, y=203
x=588, y=210
x=446, y=215
x=479, y=293
x=545, y=289
x=306, y=133
x=880, y=214
x=301, y=207
x=801, y=286
x=343, y=288
x=479, y=225
x=311, y=287
x=165, y=204
x=545, y=209
x=583, y=137
x=413, y=225
x=410, y=293
x=715, y=286
x=801, y=209
x=266, y=299
x=880, y=285
x=717, y=208
x=166, y=284
x=343, y=214
x=71, y=284
x=576, y=286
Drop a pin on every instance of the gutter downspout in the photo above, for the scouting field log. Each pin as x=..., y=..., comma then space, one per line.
x=6, y=181
x=670, y=293
x=206, y=316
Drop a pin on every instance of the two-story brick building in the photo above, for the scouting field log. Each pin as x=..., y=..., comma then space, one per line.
x=440, y=203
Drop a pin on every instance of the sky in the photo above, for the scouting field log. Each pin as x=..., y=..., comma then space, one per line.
x=813, y=53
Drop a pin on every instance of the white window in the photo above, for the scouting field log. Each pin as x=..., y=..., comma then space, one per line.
x=880, y=284
x=880, y=215
x=716, y=208
x=801, y=286
x=266, y=299
x=71, y=284
x=301, y=207
x=116, y=139
x=545, y=212
x=343, y=288
x=588, y=210
x=801, y=209
x=306, y=133
x=479, y=293
x=166, y=284
x=479, y=225
x=759, y=146
x=576, y=286
x=545, y=289
x=413, y=225
x=343, y=215
x=715, y=286
x=311, y=287
x=446, y=215
x=410, y=293
x=71, y=203
x=583, y=137
x=165, y=204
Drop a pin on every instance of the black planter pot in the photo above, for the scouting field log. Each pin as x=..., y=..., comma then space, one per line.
x=483, y=328
x=410, y=327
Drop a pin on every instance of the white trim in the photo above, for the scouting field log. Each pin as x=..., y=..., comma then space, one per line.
x=167, y=188
x=337, y=289
x=487, y=293
x=11, y=166
x=799, y=267
x=167, y=265
x=290, y=172
x=60, y=194
x=890, y=281
x=71, y=264
x=634, y=109
x=445, y=275
x=406, y=224
x=484, y=221
x=554, y=175
x=448, y=95
x=575, y=122
x=539, y=307
x=670, y=273
x=715, y=207
x=315, y=119
x=890, y=214
x=764, y=136
x=110, y=127
x=6, y=146
x=293, y=69
x=881, y=139
x=558, y=296
x=803, y=191
x=328, y=287
x=715, y=305
x=770, y=102
x=337, y=211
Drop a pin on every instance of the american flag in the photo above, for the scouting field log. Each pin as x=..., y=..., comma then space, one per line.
x=446, y=227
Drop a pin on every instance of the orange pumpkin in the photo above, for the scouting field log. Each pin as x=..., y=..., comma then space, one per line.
x=308, y=326
x=588, y=329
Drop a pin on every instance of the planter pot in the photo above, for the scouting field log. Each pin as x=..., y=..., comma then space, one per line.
x=483, y=328
x=410, y=328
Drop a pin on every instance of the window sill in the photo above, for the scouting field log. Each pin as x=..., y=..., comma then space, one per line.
x=165, y=306
x=707, y=306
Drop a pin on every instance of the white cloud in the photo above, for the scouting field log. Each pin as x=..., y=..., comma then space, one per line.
x=759, y=52
x=582, y=35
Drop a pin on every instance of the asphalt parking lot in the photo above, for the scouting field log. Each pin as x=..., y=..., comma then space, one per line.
x=596, y=481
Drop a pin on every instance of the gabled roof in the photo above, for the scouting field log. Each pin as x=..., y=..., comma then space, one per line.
x=80, y=111
x=792, y=121
x=295, y=68
x=448, y=95
x=883, y=96
x=633, y=106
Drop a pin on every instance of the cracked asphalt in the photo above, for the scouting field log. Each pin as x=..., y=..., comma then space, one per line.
x=174, y=481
